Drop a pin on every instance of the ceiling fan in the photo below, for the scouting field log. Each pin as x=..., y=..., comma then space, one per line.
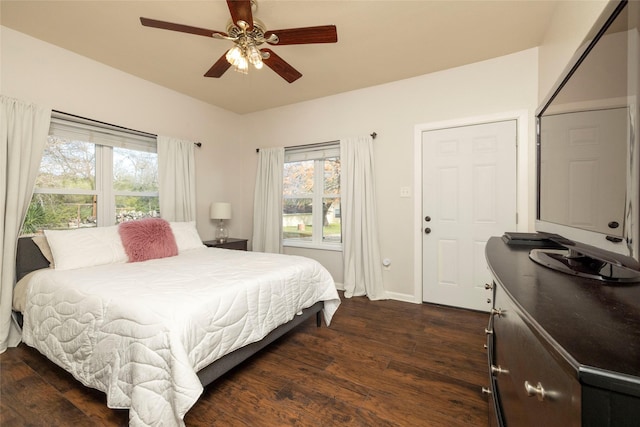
x=247, y=34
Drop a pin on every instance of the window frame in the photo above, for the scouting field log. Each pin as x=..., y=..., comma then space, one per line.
x=105, y=138
x=318, y=153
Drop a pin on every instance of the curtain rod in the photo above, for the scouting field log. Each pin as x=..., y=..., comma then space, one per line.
x=197, y=144
x=318, y=144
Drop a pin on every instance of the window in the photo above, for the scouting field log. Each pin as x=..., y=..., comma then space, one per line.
x=311, y=211
x=93, y=174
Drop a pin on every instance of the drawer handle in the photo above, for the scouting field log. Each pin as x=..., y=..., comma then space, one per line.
x=498, y=370
x=535, y=391
x=486, y=390
x=488, y=331
x=497, y=312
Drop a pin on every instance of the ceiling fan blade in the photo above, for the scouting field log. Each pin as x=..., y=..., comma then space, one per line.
x=219, y=68
x=305, y=35
x=241, y=11
x=147, y=22
x=280, y=66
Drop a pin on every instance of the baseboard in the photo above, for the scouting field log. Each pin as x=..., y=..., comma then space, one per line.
x=390, y=295
x=402, y=297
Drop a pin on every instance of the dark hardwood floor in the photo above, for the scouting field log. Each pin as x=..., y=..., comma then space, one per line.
x=383, y=363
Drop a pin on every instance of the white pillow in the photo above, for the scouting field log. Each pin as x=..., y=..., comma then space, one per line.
x=85, y=247
x=186, y=235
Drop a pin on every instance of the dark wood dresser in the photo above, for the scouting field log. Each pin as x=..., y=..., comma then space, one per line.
x=230, y=243
x=562, y=351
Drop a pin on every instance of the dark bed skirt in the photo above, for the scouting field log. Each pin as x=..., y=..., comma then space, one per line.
x=221, y=366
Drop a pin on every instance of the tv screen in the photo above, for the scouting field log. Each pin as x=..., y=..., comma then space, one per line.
x=587, y=144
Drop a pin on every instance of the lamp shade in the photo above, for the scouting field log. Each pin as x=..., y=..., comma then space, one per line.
x=220, y=210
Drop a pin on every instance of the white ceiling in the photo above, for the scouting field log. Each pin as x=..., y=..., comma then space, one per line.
x=379, y=41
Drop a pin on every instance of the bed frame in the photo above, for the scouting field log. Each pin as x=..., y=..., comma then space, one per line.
x=29, y=258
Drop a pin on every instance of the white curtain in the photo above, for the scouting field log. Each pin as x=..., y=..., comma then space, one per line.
x=267, y=201
x=23, y=136
x=360, y=245
x=176, y=179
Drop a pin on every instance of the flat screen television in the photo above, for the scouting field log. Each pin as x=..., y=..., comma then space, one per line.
x=588, y=152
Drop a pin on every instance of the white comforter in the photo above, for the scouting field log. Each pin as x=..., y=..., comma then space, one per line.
x=140, y=331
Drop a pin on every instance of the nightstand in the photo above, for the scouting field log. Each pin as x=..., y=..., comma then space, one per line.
x=230, y=243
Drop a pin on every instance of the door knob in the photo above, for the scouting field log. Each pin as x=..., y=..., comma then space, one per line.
x=427, y=230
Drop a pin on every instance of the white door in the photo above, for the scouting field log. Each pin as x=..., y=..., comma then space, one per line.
x=468, y=195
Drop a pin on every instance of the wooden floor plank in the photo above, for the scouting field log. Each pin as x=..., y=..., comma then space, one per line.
x=380, y=363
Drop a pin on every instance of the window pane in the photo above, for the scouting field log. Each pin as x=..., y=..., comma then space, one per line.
x=331, y=227
x=297, y=219
x=130, y=208
x=67, y=164
x=59, y=212
x=134, y=170
x=298, y=178
x=312, y=197
x=332, y=176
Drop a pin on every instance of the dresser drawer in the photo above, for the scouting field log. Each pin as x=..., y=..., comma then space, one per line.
x=539, y=387
x=495, y=413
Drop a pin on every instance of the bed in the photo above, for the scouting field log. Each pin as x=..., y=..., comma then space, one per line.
x=152, y=334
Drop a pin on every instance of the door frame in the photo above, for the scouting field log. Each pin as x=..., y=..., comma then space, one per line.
x=525, y=176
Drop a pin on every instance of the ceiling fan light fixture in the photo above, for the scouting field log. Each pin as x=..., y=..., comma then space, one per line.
x=258, y=64
x=241, y=65
x=233, y=55
x=244, y=52
x=255, y=57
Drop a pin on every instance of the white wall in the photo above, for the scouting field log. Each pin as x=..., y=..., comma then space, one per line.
x=34, y=71
x=393, y=111
x=571, y=22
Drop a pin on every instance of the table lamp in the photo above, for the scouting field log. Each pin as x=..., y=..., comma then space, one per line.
x=221, y=211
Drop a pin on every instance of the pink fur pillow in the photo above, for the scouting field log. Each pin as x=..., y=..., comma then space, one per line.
x=147, y=238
